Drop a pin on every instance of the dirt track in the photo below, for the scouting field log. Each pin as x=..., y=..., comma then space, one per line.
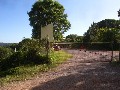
x=85, y=71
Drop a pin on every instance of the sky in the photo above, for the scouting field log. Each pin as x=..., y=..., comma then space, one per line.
x=14, y=23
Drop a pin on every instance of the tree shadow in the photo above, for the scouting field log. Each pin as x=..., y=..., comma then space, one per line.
x=99, y=76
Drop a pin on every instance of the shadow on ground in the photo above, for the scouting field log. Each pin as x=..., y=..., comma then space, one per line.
x=100, y=76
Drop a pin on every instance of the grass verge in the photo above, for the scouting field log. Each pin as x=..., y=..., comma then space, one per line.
x=22, y=73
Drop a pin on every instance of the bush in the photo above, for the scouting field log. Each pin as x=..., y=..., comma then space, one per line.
x=27, y=44
x=23, y=59
x=30, y=52
x=35, y=57
x=13, y=61
x=35, y=50
x=13, y=46
x=5, y=53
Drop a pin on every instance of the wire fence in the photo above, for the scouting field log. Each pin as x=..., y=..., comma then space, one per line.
x=96, y=51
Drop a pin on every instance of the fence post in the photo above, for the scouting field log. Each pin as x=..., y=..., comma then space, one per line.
x=48, y=49
x=112, y=51
x=119, y=51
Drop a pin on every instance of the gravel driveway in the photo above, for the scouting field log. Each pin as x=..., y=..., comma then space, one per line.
x=87, y=70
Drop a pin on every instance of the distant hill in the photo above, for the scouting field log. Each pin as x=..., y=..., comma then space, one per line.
x=5, y=44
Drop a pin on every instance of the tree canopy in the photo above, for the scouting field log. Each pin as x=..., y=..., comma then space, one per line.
x=104, y=31
x=44, y=12
x=73, y=38
x=119, y=13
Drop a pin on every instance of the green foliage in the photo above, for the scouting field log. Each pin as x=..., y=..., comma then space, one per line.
x=119, y=13
x=109, y=35
x=34, y=57
x=79, y=39
x=40, y=46
x=23, y=59
x=26, y=72
x=27, y=44
x=5, y=53
x=33, y=44
x=44, y=12
x=13, y=46
x=30, y=52
x=104, y=31
x=73, y=38
x=13, y=61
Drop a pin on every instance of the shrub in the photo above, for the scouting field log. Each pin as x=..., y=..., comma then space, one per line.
x=34, y=56
x=35, y=50
x=5, y=53
x=30, y=52
x=13, y=46
x=27, y=44
x=16, y=59
x=23, y=59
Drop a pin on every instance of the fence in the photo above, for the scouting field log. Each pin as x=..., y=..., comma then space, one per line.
x=105, y=50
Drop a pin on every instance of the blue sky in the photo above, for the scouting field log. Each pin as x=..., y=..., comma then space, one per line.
x=14, y=23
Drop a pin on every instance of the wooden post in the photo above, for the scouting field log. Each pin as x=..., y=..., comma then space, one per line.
x=47, y=47
x=119, y=51
x=112, y=51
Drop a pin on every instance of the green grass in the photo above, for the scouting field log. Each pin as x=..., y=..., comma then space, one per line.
x=26, y=72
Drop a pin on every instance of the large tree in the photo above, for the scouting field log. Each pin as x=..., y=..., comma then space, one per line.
x=44, y=12
x=119, y=13
x=104, y=31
